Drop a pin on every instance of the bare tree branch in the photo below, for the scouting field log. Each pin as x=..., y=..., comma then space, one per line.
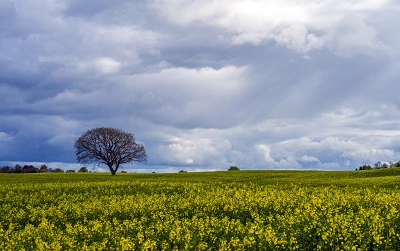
x=108, y=146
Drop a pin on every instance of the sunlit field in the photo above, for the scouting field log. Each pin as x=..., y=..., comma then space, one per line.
x=239, y=210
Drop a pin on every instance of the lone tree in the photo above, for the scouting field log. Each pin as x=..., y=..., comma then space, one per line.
x=108, y=146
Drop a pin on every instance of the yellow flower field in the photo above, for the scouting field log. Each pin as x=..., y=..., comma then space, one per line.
x=194, y=211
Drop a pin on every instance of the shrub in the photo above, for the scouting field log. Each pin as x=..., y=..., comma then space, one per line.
x=233, y=168
x=83, y=170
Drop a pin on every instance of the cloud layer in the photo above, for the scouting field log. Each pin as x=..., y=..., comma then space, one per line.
x=204, y=84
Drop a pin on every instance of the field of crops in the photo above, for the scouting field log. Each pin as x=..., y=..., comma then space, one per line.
x=244, y=210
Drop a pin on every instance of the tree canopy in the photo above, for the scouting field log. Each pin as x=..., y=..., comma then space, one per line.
x=108, y=146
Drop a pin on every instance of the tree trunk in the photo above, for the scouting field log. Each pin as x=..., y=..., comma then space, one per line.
x=112, y=169
x=116, y=168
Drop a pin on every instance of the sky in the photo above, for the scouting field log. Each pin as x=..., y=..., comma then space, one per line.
x=204, y=84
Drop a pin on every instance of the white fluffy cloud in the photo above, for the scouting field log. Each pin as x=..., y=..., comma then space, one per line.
x=298, y=25
x=280, y=145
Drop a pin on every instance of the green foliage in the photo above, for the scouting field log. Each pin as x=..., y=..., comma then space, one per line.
x=380, y=165
x=28, y=169
x=18, y=169
x=83, y=170
x=6, y=169
x=393, y=165
x=233, y=168
x=44, y=168
x=365, y=167
x=246, y=210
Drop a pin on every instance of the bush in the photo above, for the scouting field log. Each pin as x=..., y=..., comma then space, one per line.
x=44, y=168
x=365, y=167
x=233, y=168
x=29, y=169
x=6, y=169
x=397, y=164
x=83, y=170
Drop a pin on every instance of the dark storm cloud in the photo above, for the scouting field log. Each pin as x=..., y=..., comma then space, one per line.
x=203, y=84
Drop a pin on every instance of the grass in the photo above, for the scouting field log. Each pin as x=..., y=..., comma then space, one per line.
x=382, y=177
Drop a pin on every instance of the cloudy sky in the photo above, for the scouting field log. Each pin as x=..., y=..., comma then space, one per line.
x=205, y=84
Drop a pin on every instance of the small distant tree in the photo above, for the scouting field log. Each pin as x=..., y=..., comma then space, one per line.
x=108, y=146
x=29, y=169
x=233, y=168
x=397, y=164
x=44, y=168
x=18, y=169
x=365, y=167
x=83, y=170
x=5, y=169
x=378, y=165
x=70, y=171
x=58, y=170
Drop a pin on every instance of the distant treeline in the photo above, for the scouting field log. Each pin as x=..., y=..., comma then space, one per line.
x=379, y=165
x=32, y=169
